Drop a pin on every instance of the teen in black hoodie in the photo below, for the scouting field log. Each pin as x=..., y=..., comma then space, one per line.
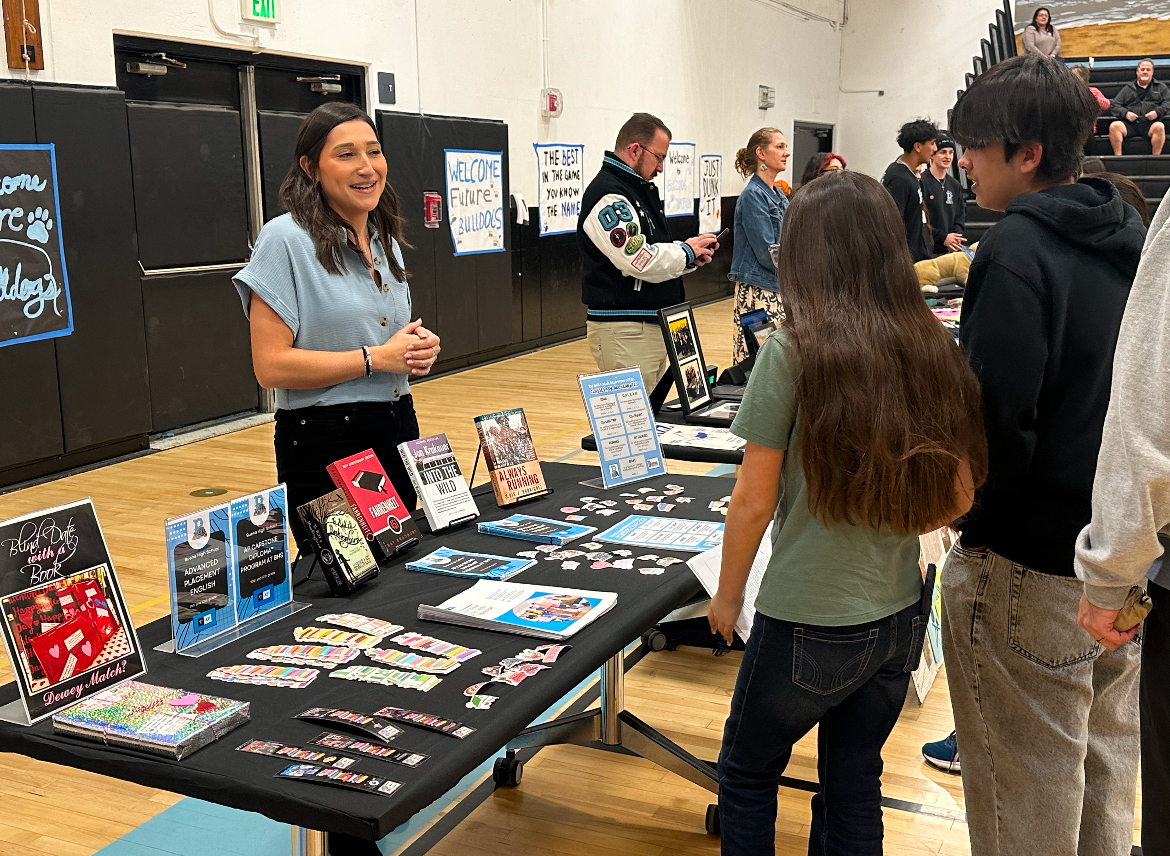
x=1046, y=719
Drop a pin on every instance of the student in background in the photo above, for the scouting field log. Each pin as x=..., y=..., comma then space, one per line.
x=330, y=313
x=847, y=487
x=946, y=205
x=1040, y=37
x=1130, y=527
x=917, y=140
x=820, y=164
x=1082, y=73
x=759, y=215
x=1046, y=718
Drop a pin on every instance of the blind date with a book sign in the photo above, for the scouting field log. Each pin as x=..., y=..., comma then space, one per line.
x=34, y=288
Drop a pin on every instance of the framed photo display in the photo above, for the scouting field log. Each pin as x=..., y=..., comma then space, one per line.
x=686, y=356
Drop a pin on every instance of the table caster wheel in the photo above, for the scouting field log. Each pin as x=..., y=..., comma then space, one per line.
x=712, y=820
x=508, y=771
x=655, y=640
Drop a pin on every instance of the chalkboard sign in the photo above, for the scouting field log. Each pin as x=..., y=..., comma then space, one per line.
x=34, y=288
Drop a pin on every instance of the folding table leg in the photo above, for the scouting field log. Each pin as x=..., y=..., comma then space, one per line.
x=309, y=842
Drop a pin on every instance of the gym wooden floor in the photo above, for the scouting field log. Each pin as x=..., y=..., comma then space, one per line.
x=572, y=800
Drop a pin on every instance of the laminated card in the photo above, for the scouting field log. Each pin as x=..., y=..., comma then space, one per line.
x=619, y=412
x=200, y=552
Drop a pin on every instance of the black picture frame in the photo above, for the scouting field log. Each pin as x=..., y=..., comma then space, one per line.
x=687, y=363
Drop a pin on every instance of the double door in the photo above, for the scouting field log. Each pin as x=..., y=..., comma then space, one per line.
x=211, y=138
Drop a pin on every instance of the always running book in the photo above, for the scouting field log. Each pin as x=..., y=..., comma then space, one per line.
x=511, y=457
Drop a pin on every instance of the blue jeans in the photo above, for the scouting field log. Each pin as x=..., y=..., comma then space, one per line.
x=852, y=681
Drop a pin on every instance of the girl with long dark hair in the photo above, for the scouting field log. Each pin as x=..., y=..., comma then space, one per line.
x=330, y=313
x=864, y=429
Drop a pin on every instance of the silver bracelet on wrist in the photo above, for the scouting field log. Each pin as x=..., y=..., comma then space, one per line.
x=369, y=360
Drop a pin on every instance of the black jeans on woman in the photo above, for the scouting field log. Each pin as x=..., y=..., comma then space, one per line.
x=309, y=439
x=852, y=681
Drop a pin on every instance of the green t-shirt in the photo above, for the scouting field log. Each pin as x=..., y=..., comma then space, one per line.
x=835, y=575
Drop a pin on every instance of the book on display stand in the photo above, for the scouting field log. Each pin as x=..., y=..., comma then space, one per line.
x=438, y=481
x=339, y=542
x=506, y=443
x=377, y=507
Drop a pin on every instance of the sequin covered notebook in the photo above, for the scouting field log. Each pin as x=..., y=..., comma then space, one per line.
x=159, y=720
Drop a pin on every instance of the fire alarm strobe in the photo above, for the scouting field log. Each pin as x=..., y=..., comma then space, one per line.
x=551, y=102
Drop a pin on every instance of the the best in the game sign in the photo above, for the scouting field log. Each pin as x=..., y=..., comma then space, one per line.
x=34, y=288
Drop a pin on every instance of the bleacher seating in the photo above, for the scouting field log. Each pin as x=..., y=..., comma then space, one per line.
x=1151, y=174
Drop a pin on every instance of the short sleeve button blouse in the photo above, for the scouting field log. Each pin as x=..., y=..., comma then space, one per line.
x=326, y=311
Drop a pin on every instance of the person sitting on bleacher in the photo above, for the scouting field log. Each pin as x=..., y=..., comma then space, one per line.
x=1082, y=73
x=1139, y=109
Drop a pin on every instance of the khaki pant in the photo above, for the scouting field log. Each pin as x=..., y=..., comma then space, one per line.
x=626, y=344
x=1047, y=719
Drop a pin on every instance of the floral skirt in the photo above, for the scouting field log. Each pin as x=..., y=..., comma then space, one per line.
x=749, y=298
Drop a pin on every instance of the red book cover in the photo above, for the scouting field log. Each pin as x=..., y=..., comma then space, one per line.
x=384, y=520
x=68, y=649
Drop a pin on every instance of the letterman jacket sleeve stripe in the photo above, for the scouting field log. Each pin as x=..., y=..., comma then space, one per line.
x=607, y=227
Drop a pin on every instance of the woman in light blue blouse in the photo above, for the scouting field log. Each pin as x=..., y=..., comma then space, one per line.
x=759, y=214
x=330, y=311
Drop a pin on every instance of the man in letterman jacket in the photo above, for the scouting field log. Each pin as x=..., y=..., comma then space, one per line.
x=631, y=267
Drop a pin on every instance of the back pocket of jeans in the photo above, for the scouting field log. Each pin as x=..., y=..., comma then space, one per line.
x=826, y=663
x=917, y=637
x=1043, y=621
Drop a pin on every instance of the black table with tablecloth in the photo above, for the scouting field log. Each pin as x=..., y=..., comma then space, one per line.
x=222, y=775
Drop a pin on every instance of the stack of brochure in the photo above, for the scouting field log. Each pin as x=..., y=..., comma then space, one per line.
x=546, y=612
x=459, y=563
x=538, y=529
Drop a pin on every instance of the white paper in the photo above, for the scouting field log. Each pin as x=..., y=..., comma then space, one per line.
x=475, y=200
x=705, y=567
x=679, y=179
x=696, y=437
x=560, y=186
x=710, y=193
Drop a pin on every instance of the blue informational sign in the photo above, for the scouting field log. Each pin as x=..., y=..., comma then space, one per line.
x=259, y=524
x=200, y=560
x=667, y=533
x=619, y=413
x=475, y=200
x=34, y=287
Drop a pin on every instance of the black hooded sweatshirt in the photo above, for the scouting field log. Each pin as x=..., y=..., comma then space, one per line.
x=1040, y=319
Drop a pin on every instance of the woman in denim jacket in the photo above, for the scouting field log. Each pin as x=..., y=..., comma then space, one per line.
x=758, y=217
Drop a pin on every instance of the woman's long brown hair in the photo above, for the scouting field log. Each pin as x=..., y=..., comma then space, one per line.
x=888, y=406
x=301, y=194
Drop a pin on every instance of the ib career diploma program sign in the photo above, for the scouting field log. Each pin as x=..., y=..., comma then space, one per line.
x=34, y=288
x=561, y=186
x=475, y=200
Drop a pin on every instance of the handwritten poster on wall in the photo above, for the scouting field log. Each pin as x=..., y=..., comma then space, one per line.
x=34, y=288
x=475, y=200
x=710, y=193
x=679, y=175
x=560, y=186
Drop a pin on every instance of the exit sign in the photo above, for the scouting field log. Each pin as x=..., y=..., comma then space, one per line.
x=260, y=11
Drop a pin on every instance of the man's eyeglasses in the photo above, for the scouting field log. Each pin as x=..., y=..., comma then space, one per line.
x=658, y=157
